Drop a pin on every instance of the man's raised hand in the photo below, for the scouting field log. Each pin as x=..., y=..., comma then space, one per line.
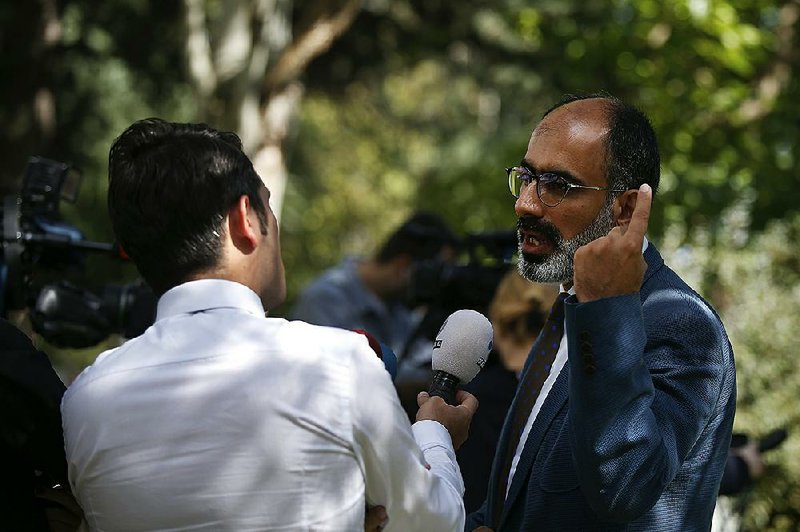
x=613, y=265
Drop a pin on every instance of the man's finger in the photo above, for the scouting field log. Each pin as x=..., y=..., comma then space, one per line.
x=641, y=213
x=467, y=400
x=422, y=398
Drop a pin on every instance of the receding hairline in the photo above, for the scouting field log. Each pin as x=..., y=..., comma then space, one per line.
x=607, y=107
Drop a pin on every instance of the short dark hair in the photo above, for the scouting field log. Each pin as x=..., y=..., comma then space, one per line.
x=169, y=188
x=422, y=236
x=632, y=155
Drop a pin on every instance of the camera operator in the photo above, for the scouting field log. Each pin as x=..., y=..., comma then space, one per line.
x=33, y=491
x=40, y=251
x=371, y=293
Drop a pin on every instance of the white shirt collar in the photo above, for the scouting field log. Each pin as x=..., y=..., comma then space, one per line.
x=205, y=294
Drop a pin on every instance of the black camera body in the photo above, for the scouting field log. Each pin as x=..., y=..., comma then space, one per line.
x=38, y=245
x=444, y=287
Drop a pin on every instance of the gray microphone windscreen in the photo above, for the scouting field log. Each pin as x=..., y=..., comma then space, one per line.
x=462, y=345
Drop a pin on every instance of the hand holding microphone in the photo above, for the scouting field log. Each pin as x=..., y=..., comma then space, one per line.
x=460, y=351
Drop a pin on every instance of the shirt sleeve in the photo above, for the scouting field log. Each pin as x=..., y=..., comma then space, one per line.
x=412, y=472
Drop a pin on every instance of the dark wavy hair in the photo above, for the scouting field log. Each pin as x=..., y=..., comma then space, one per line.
x=170, y=186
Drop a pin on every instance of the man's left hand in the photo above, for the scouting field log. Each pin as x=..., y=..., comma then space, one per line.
x=613, y=265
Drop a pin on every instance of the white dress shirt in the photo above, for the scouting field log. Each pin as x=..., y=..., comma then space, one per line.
x=218, y=418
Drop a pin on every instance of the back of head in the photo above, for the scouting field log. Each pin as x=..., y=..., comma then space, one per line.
x=520, y=307
x=422, y=236
x=632, y=156
x=170, y=187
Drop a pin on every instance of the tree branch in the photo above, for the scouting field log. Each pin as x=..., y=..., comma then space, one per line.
x=198, y=49
x=311, y=43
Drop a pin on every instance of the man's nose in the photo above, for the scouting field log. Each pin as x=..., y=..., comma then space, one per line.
x=528, y=203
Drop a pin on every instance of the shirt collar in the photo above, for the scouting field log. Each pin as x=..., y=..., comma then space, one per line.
x=206, y=294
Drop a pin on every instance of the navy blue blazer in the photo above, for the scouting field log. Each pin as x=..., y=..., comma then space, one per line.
x=635, y=432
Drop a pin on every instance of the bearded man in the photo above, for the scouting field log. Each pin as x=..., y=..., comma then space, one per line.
x=623, y=416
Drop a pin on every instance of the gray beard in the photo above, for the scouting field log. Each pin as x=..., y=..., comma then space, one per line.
x=558, y=267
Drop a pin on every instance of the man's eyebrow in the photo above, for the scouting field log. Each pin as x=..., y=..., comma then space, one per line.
x=566, y=174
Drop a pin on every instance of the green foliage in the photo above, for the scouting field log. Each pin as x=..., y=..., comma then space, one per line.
x=361, y=165
x=753, y=283
x=711, y=76
x=112, y=64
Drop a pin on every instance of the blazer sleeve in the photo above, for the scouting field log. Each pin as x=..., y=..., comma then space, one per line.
x=476, y=518
x=644, y=382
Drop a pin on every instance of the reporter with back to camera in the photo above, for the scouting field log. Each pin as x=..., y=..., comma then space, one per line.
x=219, y=418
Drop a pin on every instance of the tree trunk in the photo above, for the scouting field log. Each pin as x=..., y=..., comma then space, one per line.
x=245, y=62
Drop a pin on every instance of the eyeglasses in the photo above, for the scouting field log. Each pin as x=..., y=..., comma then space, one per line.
x=551, y=188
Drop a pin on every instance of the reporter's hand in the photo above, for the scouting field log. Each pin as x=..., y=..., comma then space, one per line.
x=456, y=419
x=375, y=519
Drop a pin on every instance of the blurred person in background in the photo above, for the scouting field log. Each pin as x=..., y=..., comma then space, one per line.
x=371, y=293
x=517, y=311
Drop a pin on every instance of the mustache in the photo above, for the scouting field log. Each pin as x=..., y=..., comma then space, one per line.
x=529, y=223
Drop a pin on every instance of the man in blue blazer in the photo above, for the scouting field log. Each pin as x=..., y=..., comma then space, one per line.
x=629, y=423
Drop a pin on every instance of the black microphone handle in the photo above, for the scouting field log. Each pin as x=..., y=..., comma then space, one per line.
x=444, y=385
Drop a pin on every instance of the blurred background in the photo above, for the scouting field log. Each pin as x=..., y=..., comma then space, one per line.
x=358, y=112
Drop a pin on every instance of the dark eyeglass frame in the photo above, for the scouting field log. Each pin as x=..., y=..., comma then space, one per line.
x=526, y=177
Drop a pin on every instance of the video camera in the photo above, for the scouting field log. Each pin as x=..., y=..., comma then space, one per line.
x=38, y=244
x=468, y=283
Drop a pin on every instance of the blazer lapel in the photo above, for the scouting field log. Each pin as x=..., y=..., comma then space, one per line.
x=555, y=401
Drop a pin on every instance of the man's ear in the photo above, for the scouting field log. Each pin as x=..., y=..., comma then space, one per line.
x=244, y=233
x=624, y=206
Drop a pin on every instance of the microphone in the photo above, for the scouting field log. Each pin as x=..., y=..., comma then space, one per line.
x=383, y=351
x=459, y=352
